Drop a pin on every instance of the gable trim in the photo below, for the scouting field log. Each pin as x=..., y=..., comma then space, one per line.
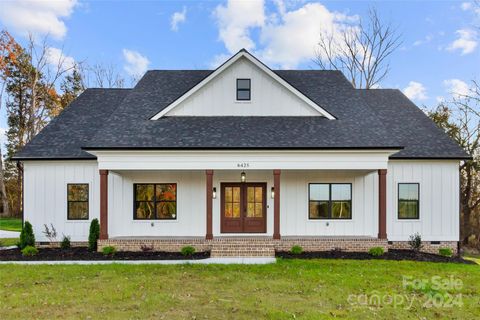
x=259, y=64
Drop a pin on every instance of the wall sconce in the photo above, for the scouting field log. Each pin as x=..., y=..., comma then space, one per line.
x=243, y=177
x=272, y=192
x=214, y=193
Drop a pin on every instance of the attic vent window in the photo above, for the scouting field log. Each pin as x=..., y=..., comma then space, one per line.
x=243, y=89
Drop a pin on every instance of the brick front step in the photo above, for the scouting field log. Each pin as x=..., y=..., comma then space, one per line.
x=236, y=250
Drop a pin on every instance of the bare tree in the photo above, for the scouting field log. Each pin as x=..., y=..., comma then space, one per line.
x=360, y=51
x=32, y=101
x=460, y=118
x=104, y=76
x=9, y=49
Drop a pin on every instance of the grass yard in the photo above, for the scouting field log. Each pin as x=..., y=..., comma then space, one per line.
x=7, y=242
x=11, y=224
x=309, y=289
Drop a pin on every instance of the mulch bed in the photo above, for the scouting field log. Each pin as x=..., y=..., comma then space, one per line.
x=82, y=253
x=390, y=255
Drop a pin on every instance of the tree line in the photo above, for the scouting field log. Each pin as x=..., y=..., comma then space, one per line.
x=34, y=88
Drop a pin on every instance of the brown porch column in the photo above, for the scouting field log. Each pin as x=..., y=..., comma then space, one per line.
x=276, y=204
x=103, y=204
x=209, y=174
x=382, y=204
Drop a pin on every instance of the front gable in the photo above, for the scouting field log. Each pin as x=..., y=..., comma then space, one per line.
x=216, y=95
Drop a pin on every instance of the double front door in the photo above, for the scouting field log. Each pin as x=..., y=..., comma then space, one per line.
x=243, y=207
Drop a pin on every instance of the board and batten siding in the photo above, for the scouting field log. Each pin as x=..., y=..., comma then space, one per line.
x=45, y=196
x=46, y=200
x=268, y=97
x=191, y=204
x=294, y=219
x=439, y=199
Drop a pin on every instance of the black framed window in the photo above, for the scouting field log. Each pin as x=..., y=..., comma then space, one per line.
x=330, y=201
x=77, y=201
x=243, y=89
x=408, y=201
x=155, y=201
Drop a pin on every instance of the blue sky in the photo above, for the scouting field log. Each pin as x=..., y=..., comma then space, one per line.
x=439, y=56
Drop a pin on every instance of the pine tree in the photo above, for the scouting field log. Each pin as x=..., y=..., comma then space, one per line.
x=72, y=86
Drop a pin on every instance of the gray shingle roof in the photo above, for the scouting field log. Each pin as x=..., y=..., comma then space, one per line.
x=65, y=135
x=365, y=119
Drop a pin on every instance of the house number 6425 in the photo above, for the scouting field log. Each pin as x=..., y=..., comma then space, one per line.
x=243, y=165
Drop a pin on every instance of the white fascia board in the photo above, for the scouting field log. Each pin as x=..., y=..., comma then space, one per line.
x=259, y=64
x=243, y=160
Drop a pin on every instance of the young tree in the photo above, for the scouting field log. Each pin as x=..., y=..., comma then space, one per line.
x=360, y=51
x=32, y=101
x=9, y=50
x=460, y=119
x=72, y=86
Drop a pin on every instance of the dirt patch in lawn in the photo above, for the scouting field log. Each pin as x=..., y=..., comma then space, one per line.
x=81, y=253
x=390, y=255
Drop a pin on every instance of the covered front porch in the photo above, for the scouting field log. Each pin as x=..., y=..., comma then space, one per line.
x=226, y=197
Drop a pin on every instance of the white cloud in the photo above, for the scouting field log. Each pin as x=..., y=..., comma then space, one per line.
x=37, y=17
x=287, y=37
x=177, y=18
x=56, y=58
x=136, y=63
x=415, y=91
x=466, y=41
x=466, y=6
x=427, y=39
x=457, y=88
x=236, y=19
x=295, y=37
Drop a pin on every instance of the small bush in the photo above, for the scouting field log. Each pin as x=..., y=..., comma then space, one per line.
x=187, y=251
x=27, y=238
x=415, y=242
x=50, y=233
x=296, y=249
x=29, y=251
x=446, y=252
x=65, y=244
x=109, y=251
x=376, y=251
x=93, y=235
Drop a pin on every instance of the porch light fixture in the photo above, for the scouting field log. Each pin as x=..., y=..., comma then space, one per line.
x=272, y=192
x=214, y=193
x=243, y=177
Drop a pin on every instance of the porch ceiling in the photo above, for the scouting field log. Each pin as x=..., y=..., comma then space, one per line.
x=244, y=160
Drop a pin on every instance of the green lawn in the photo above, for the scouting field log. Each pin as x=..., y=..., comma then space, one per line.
x=7, y=242
x=290, y=289
x=11, y=224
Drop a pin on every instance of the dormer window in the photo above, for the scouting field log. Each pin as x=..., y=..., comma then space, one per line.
x=243, y=89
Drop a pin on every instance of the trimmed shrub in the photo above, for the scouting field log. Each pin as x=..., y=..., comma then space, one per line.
x=29, y=251
x=415, y=242
x=296, y=249
x=27, y=238
x=109, y=251
x=376, y=251
x=93, y=235
x=446, y=252
x=187, y=251
x=65, y=244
